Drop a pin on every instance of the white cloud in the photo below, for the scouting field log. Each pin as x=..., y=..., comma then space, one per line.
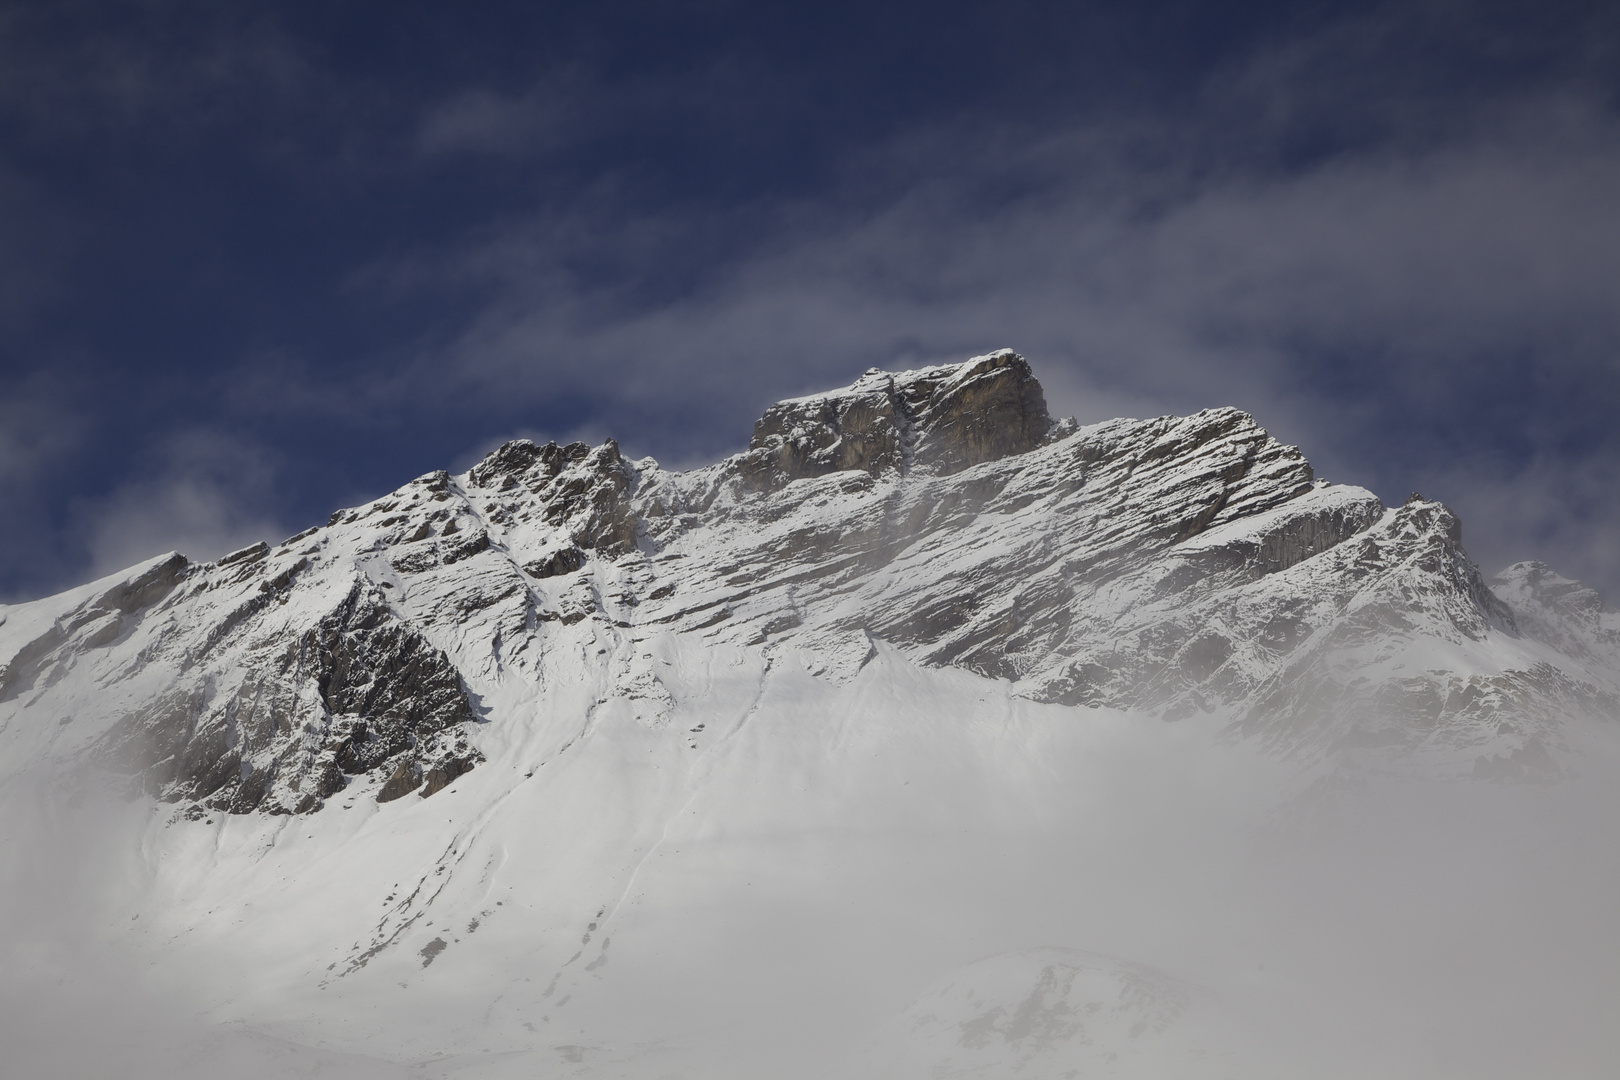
x=482, y=120
x=206, y=497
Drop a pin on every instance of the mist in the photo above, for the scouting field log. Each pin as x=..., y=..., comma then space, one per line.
x=857, y=848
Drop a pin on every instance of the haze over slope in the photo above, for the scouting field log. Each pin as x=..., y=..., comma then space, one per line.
x=1129, y=748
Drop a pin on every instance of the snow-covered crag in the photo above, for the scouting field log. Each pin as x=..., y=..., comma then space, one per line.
x=1175, y=565
x=926, y=737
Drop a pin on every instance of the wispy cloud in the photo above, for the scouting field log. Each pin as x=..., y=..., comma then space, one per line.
x=483, y=120
x=205, y=496
x=1398, y=309
x=1405, y=265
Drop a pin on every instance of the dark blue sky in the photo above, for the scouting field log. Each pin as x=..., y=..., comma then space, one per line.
x=260, y=263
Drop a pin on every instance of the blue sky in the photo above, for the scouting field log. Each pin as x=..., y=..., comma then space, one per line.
x=257, y=263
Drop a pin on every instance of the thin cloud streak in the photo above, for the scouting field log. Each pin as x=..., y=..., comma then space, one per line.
x=203, y=499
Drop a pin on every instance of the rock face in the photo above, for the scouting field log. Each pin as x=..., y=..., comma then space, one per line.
x=943, y=419
x=1175, y=565
x=1563, y=613
x=358, y=692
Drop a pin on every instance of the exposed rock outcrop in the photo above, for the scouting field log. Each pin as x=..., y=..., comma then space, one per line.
x=577, y=488
x=942, y=419
x=359, y=689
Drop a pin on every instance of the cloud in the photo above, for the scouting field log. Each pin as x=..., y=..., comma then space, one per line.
x=205, y=497
x=1385, y=248
x=485, y=121
x=79, y=999
x=1444, y=312
x=1557, y=509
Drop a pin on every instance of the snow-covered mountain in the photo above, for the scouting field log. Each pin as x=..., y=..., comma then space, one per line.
x=415, y=773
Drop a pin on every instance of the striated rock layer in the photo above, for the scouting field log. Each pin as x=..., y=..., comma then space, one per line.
x=1174, y=565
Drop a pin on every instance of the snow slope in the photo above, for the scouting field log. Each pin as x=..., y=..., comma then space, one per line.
x=1120, y=750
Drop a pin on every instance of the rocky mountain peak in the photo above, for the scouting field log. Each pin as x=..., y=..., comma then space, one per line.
x=1564, y=613
x=913, y=607
x=1176, y=565
x=580, y=488
x=940, y=419
x=1534, y=582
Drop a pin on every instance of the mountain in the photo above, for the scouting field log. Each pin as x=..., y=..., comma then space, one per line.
x=418, y=756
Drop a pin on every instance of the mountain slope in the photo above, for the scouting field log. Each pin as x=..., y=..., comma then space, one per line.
x=1174, y=565
x=559, y=764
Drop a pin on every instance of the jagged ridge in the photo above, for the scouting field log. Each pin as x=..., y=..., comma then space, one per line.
x=1174, y=565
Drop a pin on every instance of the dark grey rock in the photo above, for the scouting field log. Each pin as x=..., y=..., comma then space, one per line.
x=566, y=561
x=383, y=691
x=404, y=779
x=945, y=419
